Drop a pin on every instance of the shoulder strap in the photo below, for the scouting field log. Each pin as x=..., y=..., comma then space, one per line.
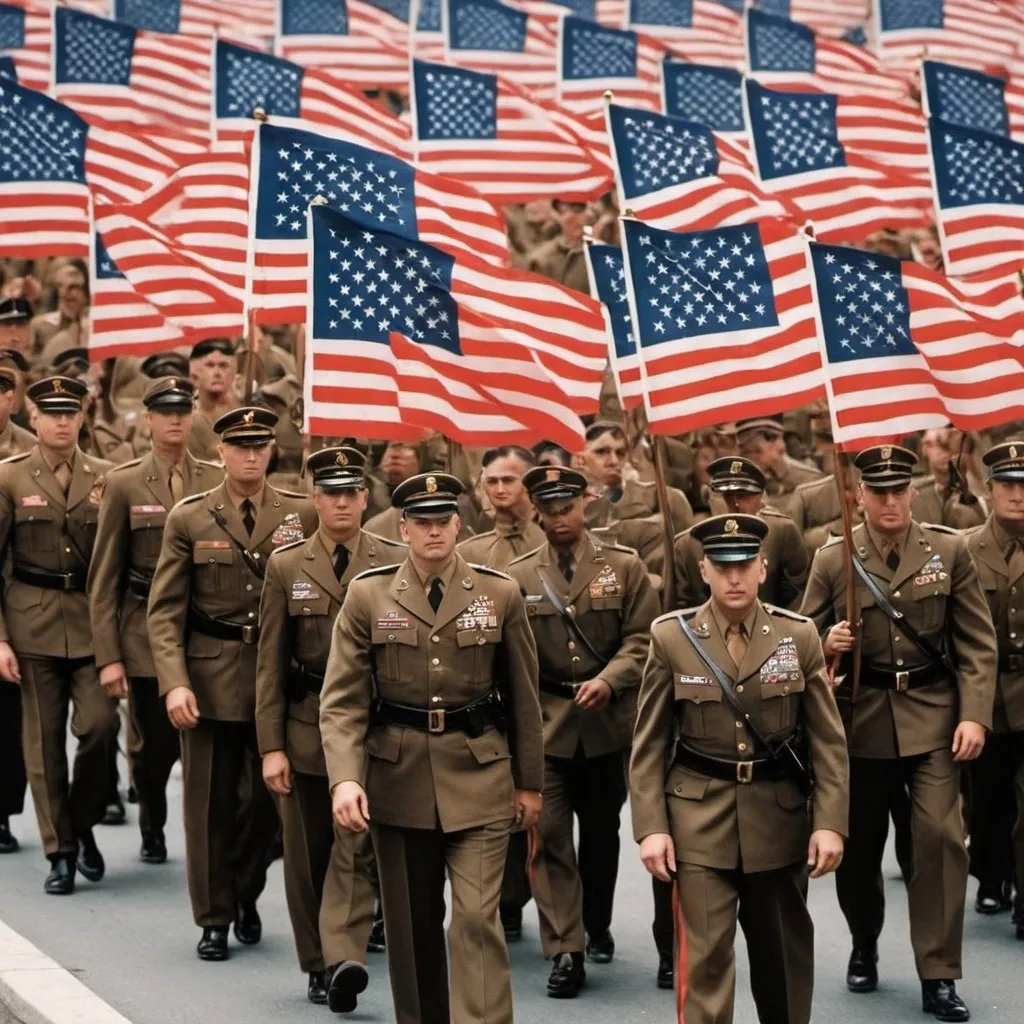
x=567, y=617
x=251, y=564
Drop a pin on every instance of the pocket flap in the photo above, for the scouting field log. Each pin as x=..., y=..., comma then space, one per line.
x=698, y=693
x=604, y=604
x=407, y=636
x=384, y=743
x=686, y=785
x=147, y=517
x=309, y=606
x=783, y=686
x=204, y=553
x=477, y=637
x=488, y=747
x=34, y=514
x=539, y=608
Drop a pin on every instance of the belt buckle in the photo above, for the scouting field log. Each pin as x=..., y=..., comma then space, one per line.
x=250, y=634
x=435, y=720
x=902, y=681
x=69, y=581
x=745, y=772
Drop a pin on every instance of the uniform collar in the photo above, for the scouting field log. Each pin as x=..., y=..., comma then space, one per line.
x=723, y=623
x=352, y=545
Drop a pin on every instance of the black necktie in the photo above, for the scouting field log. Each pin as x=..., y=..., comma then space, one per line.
x=248, y=519
x=434, y=595
x=565, y=565
x=893, y=559
x=340, y=560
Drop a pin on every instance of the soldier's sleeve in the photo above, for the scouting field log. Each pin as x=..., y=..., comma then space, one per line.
x=651, y=739
x=348, y=691
x=273, y=660
x=959, y=516
x=6, y=522
x=169, y=597
x=817, y=604
x=688, y=588
x=519, y=654
x=682, y=511
x=110, y=561
x=639, y=610
x=794, y=564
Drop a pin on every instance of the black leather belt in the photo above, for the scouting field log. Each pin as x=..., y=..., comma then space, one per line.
x=48, y=580
x=222, y=629
x=140, y=583
x=470, y=718
x=306, y=681
x=743, y=772
x=567, y=691
x=888, y=679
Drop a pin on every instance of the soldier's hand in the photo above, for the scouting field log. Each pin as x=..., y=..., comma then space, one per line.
x=658, y=853
x=824, y=852
x=593, y=695
x=9, y=670
x=840, y=639
x=968, y=741
x=351, y=809
x=113, y=679
x=277, y=772
x=527, y=804
x=182, y=709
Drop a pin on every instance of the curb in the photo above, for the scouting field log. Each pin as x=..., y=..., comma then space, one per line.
x=36, y=990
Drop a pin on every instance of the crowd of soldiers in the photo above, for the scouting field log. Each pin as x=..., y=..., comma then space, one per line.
x=401, y=664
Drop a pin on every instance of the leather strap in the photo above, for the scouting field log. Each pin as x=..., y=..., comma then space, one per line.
x=568, y=618
x=49, y=580
x=567, y=691
x=222, y=629
x=469, y=718
x=731, y=771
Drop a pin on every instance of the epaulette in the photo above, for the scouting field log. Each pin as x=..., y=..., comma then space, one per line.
x=784, y=613
x=525, y=555
x=190, y=498
x=124, y=465
x=386, y=541
x=939, y=528
x=17, y=457
x=806, y=485
x=378, y=570
x=291, y=494
x=477, y=536
x=209, y=463
x=687, y=613
x=289, y=546
x=970, y=531
x=833, y=538
x=488, y=571
x=770, y=510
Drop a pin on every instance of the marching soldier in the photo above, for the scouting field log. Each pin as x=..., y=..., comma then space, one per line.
x=203, y=628
x=13, y=439
x=212, y=366
x=432, y=666
x=327, y=871
x=742, y=685
x=49, y=501
x=762, y=440
x=590, y=607
x=927, y=676
x=132, y=516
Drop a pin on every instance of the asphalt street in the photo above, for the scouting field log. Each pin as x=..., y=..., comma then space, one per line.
x=130, y=939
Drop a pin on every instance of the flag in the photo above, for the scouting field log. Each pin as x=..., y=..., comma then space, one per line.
x=786, y=54
x=677, y=175
x=25, y=32
x=118, y=76
x=7, y=68
x=608, y=282
x=906, y=348
x=797, y=152
x=702, y=31
x=725, y=322
x=827, y=17
x=979, y=190
x=244, y=80
x=972, y=99
x=705, y=93
x=251, y=23
x=488, y=133
x=426, y=40
x=291, y=167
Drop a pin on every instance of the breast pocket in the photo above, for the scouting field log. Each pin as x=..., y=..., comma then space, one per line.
x=396, y=652
x=147, y=531
x=484, y=642
x=539, y=608
x=607, y=603
x=779, y=698
x=696, y=704
x=929, y=592
x=313, y=621
x=36, y=529
x=212, y=569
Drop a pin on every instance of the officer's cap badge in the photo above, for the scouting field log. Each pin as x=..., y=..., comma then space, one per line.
x=736, y=468
x=731, y=526
x=342, y=459
x=249, y=417
x=552, y=474
x=57, y=387
x=886, y=452
x=431, y=485
x=1013, y=451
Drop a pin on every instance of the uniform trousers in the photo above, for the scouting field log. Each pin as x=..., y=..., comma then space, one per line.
x=515, y=886
x=938, y=884
x=328, y=878
x=153, y=747
x=573, y=893
x=12, y=761
x=771, y=907
x=65, y=810
x=411, y=864
x=230, y=819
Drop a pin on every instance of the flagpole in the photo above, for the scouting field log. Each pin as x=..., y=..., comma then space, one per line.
x=250, y=363
x=842, y=475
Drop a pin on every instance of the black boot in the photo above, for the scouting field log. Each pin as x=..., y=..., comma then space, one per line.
x=115, y=813
x=90, y=860
x=940, y=999
x=154, y=847
x=666, y=970
x=991, y=899
x=348, y=979
x=248, y=926
x=61, y=879
x=213, y=945
x=8, y=844
x=512, y=923
x=862, y=970
x=600, y=948
x=376, y=942
x=567, y=976
x=316, y=989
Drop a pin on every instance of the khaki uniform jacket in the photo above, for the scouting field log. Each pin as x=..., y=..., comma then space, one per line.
x=502, y=545
x=1003, y=591
x=46, y=529
x=759, y=826
x=613, y=602
x=553, y=260
x=783, y=549
x=301, y=599
x=133, y=512
x=201, y=565
x=202, y=441
x=936, y=587
x=781, y=483
x=389, y=643
x=639, y=501
x=14, y=440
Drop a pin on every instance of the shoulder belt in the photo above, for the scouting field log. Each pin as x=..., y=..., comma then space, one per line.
x=17, y=457
x=568, y=618
x=488, y=571
x=250, y=563
x=378, y=570
x=288, y=547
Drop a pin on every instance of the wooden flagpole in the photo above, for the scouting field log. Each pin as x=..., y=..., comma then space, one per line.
x=842, y=475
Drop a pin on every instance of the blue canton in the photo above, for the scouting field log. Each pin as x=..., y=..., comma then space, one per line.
x=698, y=283
x=710, y=95
x=777, y=44
x=396, y=8
x=247, y=79
x=581, y=8
x=40, y=139
x=151, y=15
x=856, y=35
x=429, y=19
x=90, y=50
x=314, y=17
x=485, y=25
x=367, y=284
x=7, y=68
x=897, y=14
x=12, y=28
x=968, y=98
x=454, y=104
x=671, y=13
x=610, y=278
x=592, y=51
x=106, y=268
x=974, y=167
x=865, y=310
x=779, y=8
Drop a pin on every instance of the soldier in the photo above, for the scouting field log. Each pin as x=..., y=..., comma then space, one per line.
x=132, y=516
x=762, y=440
x=13, y=439
x=432, y=663
x=15, y=330
x=561, y=258
x=928, y=666
x=743, y=686
x=997, y=776
x=49, y=499
x=212, y=366
x=740, y=485
x=72, y=313
x=202, y=620
x=590, y=606
x=327, y=872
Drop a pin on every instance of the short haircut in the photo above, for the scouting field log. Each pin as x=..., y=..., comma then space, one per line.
x=543, y=448
x=507, y=450
x=596, y=430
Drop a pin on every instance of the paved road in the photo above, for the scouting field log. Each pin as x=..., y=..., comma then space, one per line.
x=130, y=939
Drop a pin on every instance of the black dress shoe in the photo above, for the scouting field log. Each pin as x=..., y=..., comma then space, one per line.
x=348, y=979
x=248, y=926
x=90, y=860
x=567, y=976
x=991, y=900
x=154, y=847
x=600, y=948
x=61, y=879
x=213, y=945
x=316, y=990
x=862, y=970
x=666, y=970
x=8, y=844
x=512, y=923
x=376, y=943
x=115, y=813
x=940, y=999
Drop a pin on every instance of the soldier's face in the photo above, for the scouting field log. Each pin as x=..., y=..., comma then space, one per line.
x=168, y=428
x=604, y=457
x=431, y=540
x=245, y=464
x=741, y=501
x=400, y=461
x=503, y=482
x=6, y=405
x=734, y=584
x=340, y=512
x=16, y=336
x=58, y=430
x=886, y=509
x=70, y=292
x=1008, y=500
x=214, y=374
x=562, y=520
x=765, y=449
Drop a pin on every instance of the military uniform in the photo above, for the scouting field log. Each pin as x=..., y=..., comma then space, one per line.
x=739, y=821
x=554, y=260
x=409, y=712
x=14, y=440
x=202, y=441
x=202, y=621
x=505, y=543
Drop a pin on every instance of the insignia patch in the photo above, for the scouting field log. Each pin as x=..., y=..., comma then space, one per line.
x=393, y=620
x=32, y=501
x=212, y=545
x=606, y=584
x=701, y=630
x=694, y=681
x=96, y=492
x=302, y=590
x=147, y=510
x=342, y=459
x=289, y=530
x=534, y=598
x=481, y=614
x=248, y=418
x=57, y=387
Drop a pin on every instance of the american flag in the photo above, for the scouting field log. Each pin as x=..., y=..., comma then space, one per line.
x=979, y=190
x=251, y=23
x=244, y=80
x=725, y=321
x=25, y=33
x=116, y=75
x=677, y=175
x=702, y=31
x=369, y=43
x=906, y=348
x=795, y=145
x=291, y=167
x=786, y=54
x=398, y=339
x=705, y=93
x=426, y=40
x=827, y=17
x=972, y=99
x=7, y=68
x=487, y=132
x=608, y=282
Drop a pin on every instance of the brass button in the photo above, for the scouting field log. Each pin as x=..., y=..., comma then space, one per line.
x=212, y=560
x=895, y=593
x=435, y=639
x=741, y=746
x=435, y=661
x=255, y=554
x=67, y=551
x=785, y=690
x=899, y=661
x=739, y=725
x=575, y=660
x=436, y=700
x=31, y=519
x=391, y=636
x=481, y=640
x=739, y=689
x=248, y=586
x=252, y=615
x=1013, y=611
x=305, y=611
x=1013, y=590
x=572, y=645
x=571, y=609
x=679, y=790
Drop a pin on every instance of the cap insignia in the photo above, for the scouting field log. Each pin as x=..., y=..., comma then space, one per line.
x=731, y=526
x=342, y=459
x=551, y=475
x=886, y=452
x=1013, y=451
x=431, y=485
x=736, y=468
x=58, y=387
x=249, y=417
